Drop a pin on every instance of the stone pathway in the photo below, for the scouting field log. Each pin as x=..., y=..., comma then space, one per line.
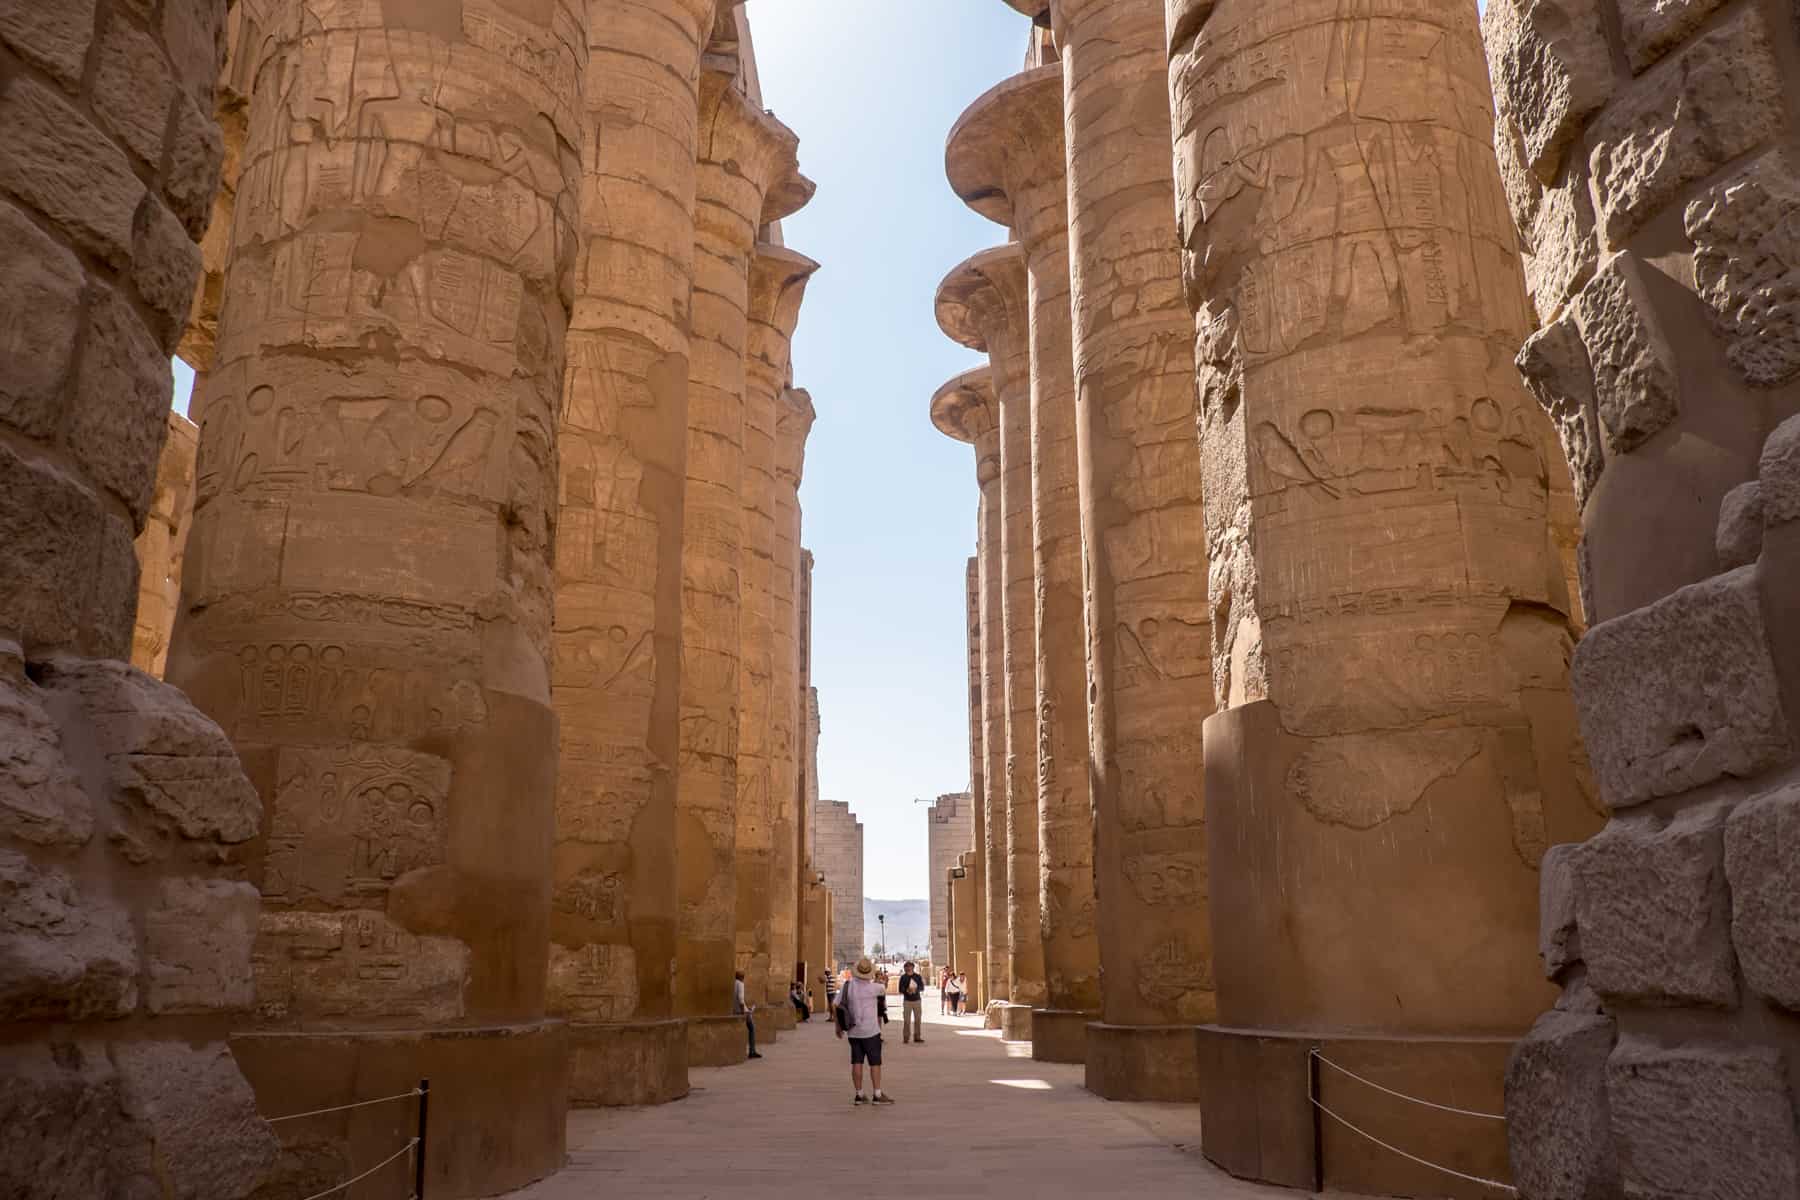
x=974, y=1116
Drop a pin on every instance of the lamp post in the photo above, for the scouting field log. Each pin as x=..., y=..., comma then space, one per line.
x=882, y=917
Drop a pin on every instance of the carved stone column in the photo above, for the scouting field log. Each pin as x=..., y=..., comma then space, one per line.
x=793, y=423
x=1144, y=534
x=984, y=303
x=126, y=922
x=161, y=545
x=748, y=177
x=968, y=409
x=623, y=441
x=767, y=882
x=367, y=605
x=1395, y=748
x=1006, y=160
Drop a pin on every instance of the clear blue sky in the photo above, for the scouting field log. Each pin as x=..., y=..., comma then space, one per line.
x=873, y=90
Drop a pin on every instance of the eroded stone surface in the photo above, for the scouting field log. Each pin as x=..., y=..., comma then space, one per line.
x=1746, y=235
x=1655, y=914
x=1634, y=382
x=1681, y=693
x=1761, y=842
x=67, y=953
x=1560, y=1133
x=1701, y=1119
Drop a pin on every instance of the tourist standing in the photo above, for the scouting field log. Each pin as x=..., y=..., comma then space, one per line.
x=912, y=1006
x=739, y=1005
x=798, y=998
x=861, y=1012
x=953, y=993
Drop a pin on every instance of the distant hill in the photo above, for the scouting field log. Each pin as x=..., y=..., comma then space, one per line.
x=908, y=924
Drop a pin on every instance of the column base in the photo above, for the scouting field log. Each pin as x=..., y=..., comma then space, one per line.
x=1155, y=1063
x=1257, y=1121
x=776, y=1017
x=1059, y=1035
x=717, y=1041
x=625, y=1063
x=498, y=1114
x=1015, y=1022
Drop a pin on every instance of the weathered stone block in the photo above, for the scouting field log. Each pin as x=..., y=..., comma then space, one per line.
x=165, y=265
x=56, y=161
x=1762, y=864
x=132, y=89
x=1651, y=30
x=40, y=307
x=123, y=383
x=51, y=555
x=199, y=1116
x=1738, y=540
x=1717, y=99
x=64, y=1134
x=1702, y=1120
x=195, y=158
x=198, y=939
x=1680, y=693
x=1551, y=68
x=65, y=954
x=41, y=799
x=1636, y=388
x=170, y=769
x=1555, y=366
x=1559, y=1130
x=1778, y=474
x=1746, y=235
x=1654, y=914
x=1558, y=927
x=52, y=36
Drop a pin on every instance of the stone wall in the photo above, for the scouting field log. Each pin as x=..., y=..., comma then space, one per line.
x=1648, y=151
x=839, y=857
x=126, y=921
x=950, y=833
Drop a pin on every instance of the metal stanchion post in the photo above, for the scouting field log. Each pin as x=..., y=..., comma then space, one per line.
x=419, y=1150
x=1318, y=1118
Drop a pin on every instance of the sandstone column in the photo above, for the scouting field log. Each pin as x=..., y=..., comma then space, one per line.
x=1648, y=153
x=764, y=822
x=126, y=923
x=161, y=545
x=367, y=605
x=748, y=177
x=1394, y=749
x=967, y=409
x=1006, y=160
x=792, y=866
x=623, y=441
x=1144, y=536
x=984, y=303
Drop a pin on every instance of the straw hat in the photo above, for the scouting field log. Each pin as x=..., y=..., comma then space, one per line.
x=865, y=969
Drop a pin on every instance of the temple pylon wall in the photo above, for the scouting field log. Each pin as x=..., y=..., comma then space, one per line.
x=126, y=819
x=1648, y=156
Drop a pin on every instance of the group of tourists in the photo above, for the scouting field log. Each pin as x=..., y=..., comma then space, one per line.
x=953, y=986
x=859, y=1009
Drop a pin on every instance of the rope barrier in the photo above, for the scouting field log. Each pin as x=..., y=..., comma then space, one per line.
x=349, y=1182
x=1463, y=1112
x=340, y=1108
x=1493, y=1183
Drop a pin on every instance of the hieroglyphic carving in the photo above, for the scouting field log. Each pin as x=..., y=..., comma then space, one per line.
x=355, y=965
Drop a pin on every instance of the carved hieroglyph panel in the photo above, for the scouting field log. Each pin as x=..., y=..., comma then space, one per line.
x=594, y=982
x=355, y=965
x=346, y=823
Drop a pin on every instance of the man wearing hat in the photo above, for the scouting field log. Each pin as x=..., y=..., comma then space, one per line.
x=861, y=1012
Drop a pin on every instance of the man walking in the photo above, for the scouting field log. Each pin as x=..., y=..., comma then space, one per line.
x=739, y=1006
x=861, y=1012
x=912, y=1006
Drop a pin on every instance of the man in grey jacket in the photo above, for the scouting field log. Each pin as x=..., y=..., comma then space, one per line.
x=749, y=1010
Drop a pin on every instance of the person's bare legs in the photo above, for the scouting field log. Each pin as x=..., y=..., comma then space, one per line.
x=875, y=1078
x=856, y=1076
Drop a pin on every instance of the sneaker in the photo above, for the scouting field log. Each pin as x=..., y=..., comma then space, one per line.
x=859, y=1098
x=882, y=1098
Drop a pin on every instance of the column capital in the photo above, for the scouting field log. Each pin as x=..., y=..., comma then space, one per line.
x=757, y=156
x=967, y=409
x=985, y=297
x=777, y=287
x=1006, y=159
x=794, y=417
